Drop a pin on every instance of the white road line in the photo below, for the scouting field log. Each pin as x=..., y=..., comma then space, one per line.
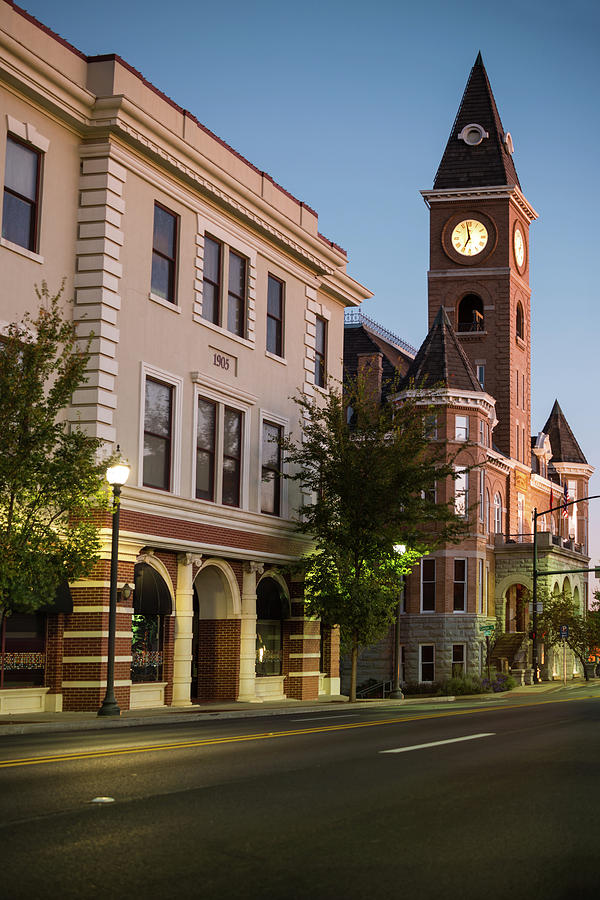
x=469, y=737
x=317, y=718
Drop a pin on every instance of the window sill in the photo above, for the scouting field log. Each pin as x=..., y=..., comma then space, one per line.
x=276, y=358
x=168, y=304
x=224, y=332
x=22, y=251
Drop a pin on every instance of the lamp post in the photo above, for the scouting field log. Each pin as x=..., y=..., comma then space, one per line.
x=117, y=476
x=396, y=692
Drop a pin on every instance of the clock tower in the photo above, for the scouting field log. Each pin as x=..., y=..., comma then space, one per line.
x=479, y=259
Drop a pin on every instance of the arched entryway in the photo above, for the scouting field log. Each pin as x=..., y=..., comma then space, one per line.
x=517, y=609
x=272, y=613
x=215, y=633
x=152, y=635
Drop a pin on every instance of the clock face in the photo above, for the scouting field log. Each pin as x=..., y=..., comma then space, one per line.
x=469, y=237
x=519, y=246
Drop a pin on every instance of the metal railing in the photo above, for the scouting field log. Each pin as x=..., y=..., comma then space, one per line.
x=356, y=317
x=382, y=686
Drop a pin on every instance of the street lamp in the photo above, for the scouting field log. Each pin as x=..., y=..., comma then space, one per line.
x=117, y=476
x=396, y=692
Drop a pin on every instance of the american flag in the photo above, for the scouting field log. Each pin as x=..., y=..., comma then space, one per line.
x=565, y=509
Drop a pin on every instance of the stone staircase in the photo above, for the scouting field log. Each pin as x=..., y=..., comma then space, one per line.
x=510, y=651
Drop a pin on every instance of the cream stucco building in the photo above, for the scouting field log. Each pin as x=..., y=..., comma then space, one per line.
x=212, y=299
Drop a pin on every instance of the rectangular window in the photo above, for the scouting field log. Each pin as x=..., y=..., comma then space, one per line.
x=520, y=515
x=321, y=352
x=21, y=194
x=482, y=495
x=270, y=489
x=427, y=662
x=236, y=295
x=480, y=586
x=482, y=432
x=232, y=456
x=517, y=433
x=158, y=426
x=486, y=589
x=224, y=287
x=275, y=316
x=461, y=492
x=517, y=386
x=428, y=585
x=461, y=430
x=572, y=486
x=458, y=660
x=523, y=403
x=460, y=585
x=481, y=375
x=164, y=253
x=431, y=427
x=219, y=445
x=211, y=289
x=206, y=440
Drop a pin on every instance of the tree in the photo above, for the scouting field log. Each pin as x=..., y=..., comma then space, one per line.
x=368, y=470
x=50, y=477
x=584, y=627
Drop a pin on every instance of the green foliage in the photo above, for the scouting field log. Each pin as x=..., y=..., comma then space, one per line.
x=50, y=480
x=459, y=685
x=369, y=469
x=584, y=625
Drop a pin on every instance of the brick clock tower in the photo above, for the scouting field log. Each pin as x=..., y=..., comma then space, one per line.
x=479, y=259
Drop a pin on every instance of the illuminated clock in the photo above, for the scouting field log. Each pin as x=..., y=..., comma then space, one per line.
x=469, y=237
x=519, y=246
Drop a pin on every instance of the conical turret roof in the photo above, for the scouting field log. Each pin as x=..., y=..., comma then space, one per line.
x=562, y=440
x=441, y=361
x=484, y=164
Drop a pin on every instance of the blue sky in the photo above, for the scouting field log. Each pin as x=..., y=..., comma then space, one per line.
x=349, y=106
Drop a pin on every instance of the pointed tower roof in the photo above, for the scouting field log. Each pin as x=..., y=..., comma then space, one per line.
x=562, y=440
x=478, y=160
x=441, y=360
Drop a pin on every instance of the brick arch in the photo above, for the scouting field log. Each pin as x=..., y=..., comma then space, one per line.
x=509, y=581
x=233, y=601
x=276, y=576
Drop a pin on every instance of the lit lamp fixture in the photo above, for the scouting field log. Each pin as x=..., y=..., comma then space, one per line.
x=396, y=692
x=117, y=476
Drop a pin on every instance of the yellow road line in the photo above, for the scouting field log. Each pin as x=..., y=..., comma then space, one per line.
x=242, y=738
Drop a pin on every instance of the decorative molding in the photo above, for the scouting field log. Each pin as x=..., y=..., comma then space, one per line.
x=190, y=559
x=459, y=195
x=256, y=567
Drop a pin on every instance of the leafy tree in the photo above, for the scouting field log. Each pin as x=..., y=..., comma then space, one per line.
x=584, y=627
x=50, y=477
x=368, y=471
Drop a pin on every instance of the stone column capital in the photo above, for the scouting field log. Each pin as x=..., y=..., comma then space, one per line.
x=257, y=568
x=189, y=559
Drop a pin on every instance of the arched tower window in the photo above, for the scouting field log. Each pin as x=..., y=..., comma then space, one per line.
x=470, y=313
x=520, y=322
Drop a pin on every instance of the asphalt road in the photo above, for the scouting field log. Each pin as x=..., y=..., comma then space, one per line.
x=504, y=802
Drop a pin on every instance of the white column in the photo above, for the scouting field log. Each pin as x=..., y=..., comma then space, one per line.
x=184, y=616
x=247, y=692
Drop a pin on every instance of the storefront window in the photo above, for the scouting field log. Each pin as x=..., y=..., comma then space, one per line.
x=146, y=648
x=270, y=611
x=23, y=661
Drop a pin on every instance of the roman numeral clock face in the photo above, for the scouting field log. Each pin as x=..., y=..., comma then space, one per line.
x=469, y=237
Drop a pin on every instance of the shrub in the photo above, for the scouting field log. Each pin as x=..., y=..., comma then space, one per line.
x=413, y=688
x=460, y=685
x=498, y=683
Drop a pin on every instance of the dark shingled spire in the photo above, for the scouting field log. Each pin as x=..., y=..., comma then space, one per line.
x=441, y=361
x=562, y=440
x=488, y=163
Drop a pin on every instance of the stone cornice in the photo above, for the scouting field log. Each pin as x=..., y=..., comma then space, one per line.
x=584, y=470
x=509, y=192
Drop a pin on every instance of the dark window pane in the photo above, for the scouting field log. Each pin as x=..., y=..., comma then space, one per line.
x=21, y=173
x=158, y=408
x=146, y=648
x=320, y=336
x=320, y=352
x=205, y=457
x=17, y=221
x=205, y=475
x=232, y=432
x=212, y=260
x=164, y=232
x=235, y=315
x=231, y=482
x=459, y=569
x=161, y=277
x=274, y=336
x=428, y=566
x=210, y=303
x=274, y=297
x=271, y=451
x=237, y=274
x=269, y=493
x=156, y=462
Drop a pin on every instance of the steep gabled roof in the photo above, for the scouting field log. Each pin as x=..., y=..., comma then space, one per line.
x=562, y=440
x=359, y=338
x=441, y=361
x=488, y=163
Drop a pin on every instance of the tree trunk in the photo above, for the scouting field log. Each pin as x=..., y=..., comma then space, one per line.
x=354, y=668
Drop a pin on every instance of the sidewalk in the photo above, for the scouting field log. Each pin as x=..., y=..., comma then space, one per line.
x=33, y=723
